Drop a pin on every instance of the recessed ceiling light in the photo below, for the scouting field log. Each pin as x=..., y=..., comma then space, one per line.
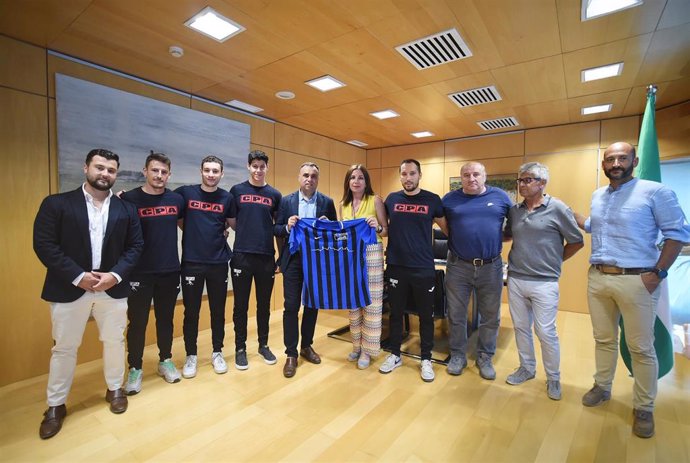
x=423, y=134
x=595, y=8
x=325, y=83
x=244, y=106
x=213, y=24
x=285, y=95
x=601, y=72
x=596, y=109
x=385, y=114
x=357, y=143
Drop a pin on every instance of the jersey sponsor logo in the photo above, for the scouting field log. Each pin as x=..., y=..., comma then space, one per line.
x=157, y=211
x=256, y=199
x=411, y=208
x=206, y=207
x=190, y=280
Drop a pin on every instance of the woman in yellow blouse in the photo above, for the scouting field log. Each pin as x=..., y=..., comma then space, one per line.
x=360, y=202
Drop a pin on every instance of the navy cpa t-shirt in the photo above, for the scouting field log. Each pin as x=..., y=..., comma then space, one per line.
x=410, y=220
x=203, y=238
x=256, y=207
x=158, y=215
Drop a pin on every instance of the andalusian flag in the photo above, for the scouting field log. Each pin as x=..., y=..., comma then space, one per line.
x=648, y=168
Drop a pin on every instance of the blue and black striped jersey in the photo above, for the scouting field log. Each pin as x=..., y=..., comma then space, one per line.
x=333, y=261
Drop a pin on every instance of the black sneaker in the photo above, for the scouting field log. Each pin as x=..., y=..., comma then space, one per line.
x=241, y=360
x=268, y=356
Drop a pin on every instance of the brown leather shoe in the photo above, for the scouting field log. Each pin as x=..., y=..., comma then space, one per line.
x=52, y=421
x=310, y=355
x=117, y=400
x=290, y=367
x=643, y=423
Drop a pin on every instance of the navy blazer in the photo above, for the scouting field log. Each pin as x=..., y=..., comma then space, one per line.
x=63, y=244
x=289, y=206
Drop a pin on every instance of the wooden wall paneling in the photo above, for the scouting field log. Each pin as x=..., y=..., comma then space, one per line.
x=81, y=71
x=298, y=141
x=673, y=130
x=625, y=129
x=573, y=178
x=287, y=166
x=24, y=66
x=336, y=179
x=390, y=181
x=373, y=159
x=375, y=177
x=423, y=152
x=573, y=137
x=490, y=146
x=52, y=165
x=25, y=318
x=432, y=178
x=346, y=154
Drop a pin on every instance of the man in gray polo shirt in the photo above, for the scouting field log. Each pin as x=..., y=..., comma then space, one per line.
x=539, y=226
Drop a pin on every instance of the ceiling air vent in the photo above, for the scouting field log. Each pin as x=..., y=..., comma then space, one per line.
x=475, y=96
x=500, y=123
x=435, y=49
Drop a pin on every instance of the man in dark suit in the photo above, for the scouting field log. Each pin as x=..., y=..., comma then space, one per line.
x=304, y=203
x=89, y=240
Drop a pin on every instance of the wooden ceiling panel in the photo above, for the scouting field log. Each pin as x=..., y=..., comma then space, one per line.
x=532, y=82
x=522, y=30
x=39, y=22
x=630, y=51
x=542, y=114
x=577, y=34
x=668, y=94
x=676, y=12
x=617, y=98
x=531, y=50
x=667, y=57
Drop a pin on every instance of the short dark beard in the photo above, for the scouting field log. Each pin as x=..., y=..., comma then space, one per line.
x=95, y=185
x=627, y=173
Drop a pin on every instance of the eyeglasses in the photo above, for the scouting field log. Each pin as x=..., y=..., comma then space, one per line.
x=527, y=180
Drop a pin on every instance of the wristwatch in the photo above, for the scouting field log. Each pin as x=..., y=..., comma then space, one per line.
x=379, y=229
x=661, y=273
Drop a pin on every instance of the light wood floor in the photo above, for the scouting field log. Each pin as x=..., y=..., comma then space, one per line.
x=334, y=412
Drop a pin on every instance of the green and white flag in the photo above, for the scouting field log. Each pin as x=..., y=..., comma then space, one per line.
x=649, y=168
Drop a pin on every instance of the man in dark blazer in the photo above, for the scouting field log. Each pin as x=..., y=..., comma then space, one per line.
x=90, y=241
x=304, y=203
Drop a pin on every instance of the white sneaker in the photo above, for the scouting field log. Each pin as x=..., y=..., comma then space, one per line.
x=189, y=369
x=134, y=378
x=391, y=363
x=168, y=371
x=219, y=365
x=427, y=371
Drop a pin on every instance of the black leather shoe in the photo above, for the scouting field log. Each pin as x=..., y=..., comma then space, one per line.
x=117, y=400
x=290, y=367
x=52, y=421
x=310, y=355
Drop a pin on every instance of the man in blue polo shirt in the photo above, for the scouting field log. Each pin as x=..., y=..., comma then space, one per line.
x=627, y=218
x=475, y=216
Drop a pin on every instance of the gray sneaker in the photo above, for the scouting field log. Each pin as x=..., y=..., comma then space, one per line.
x=486, y=369
x=363, y=361
x=241, y=359
x=268, y=356
x=427, y=371
x=189, y=369
x=519, y=376
x=391, y=363
x=134, y=378
x=553, y=389
x=456, y=365
x=595, y=396
x=643, y=423
x=168, y=371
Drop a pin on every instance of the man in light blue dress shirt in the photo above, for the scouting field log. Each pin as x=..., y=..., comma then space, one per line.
x=628, y=218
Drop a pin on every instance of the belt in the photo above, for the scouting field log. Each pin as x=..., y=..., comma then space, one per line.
x=479, y=262
x=613, y=270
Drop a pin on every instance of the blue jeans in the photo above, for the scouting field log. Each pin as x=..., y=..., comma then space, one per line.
x=462, y=278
